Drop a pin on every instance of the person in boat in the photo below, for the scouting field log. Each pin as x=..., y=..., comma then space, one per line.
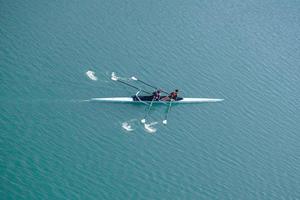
x=171, y=96
x=156, y=94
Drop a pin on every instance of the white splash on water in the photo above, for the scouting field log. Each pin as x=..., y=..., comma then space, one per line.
x=127, y=126
x=114, y=76
x=149, y=127
x=91, y=75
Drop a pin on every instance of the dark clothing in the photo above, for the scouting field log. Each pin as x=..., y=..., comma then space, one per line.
x=173, y=95
x=156, y=95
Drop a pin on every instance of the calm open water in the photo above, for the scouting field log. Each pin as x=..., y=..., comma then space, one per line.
x=54, y=145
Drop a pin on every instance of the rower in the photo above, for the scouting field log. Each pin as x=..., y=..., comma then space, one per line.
x=156, y=94
x=171, y=96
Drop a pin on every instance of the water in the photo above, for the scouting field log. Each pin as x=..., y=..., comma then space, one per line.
x=55, y=145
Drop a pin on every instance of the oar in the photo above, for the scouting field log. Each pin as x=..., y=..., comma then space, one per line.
x=144, y=119
x=166, y=117
x=115, y=78
x=136, y=79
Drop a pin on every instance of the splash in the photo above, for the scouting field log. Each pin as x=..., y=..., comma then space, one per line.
x=149, y=127
x=127, y=126
x=114, y=76
x=91, y=75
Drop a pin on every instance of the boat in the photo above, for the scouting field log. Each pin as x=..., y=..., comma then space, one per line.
x=148, y=99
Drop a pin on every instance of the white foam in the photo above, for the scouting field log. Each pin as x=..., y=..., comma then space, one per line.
x=114, y=76
x=91, y=75
x=127, y=126
x=149, y=127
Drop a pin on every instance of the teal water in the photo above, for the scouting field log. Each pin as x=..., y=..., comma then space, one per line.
x=54, y=145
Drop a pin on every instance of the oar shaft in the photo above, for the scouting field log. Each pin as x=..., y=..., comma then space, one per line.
x=147, y=84
x=148, y=110
x=151, y=86
x=133, y=86
x=169, y=107
x=150, y=107
x=166, y=117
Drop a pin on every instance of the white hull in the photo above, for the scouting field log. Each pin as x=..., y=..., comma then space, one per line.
x=129, y=99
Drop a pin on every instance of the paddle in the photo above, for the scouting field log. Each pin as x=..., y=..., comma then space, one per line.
x=165, y=121
x=144, y=119
x=115, y=78
x=136, y=79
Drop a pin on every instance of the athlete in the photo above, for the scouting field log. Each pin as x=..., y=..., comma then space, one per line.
x=156, y=94
x=172, y=96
